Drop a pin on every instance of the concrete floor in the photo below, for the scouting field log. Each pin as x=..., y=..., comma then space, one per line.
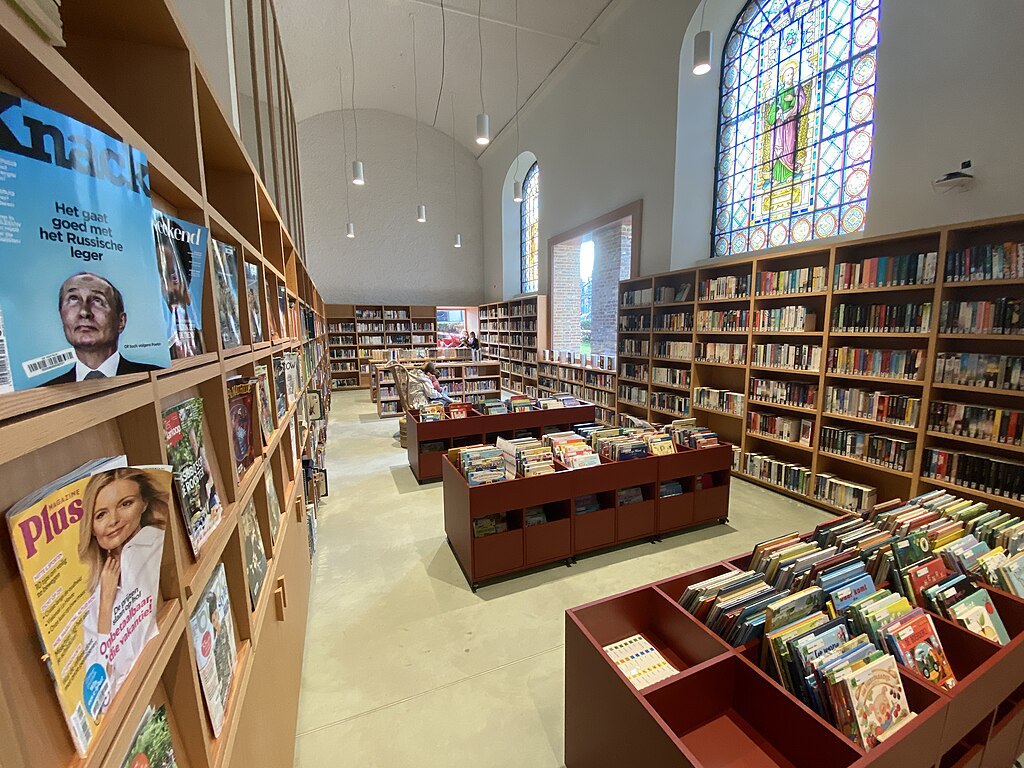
x=405, y=666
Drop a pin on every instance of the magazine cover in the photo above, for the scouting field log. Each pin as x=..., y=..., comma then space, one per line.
x=282, y=306
x=280, y=388
x=225, y=283
x=181, y=259
x=152, y=747
x=272, y=316
x=213, y=635
x=80, y=296
x=240, y=405
x=200, y=506
x=252, y=294
x=291, y=370
x=273, y=505
x=89, y=547
x=255, y=555
x=263, y=400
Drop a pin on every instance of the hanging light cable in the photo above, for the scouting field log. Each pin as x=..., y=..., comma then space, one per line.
x=702, y=47
x=357, y=165
x=350, y=228
x=517, y=184
x=455, y=181
x=421, y=209
x=483, y=121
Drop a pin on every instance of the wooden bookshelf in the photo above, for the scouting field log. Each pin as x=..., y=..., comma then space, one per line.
x=199, y=170
x=428, y=441
x=737, y=377
x=468, y=381
x=584, y=382
x=569, y=533
x=721, y=709
x=342, y=347
x=512, y=332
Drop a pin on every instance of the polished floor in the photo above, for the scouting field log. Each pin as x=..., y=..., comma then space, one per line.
x=406, y=666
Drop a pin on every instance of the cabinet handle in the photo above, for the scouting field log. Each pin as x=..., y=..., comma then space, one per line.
x=279, y=603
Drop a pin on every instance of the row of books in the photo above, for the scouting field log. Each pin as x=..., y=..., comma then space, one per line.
x=998, y=425
x=480, y=464
x=785, y=474
x=721, y=352
x=886, y=363
x=844, y=494
x=974, y=369
x=604, y=362
x=526, y=456
x=803, y=280
x=993, y=261
x=788, y=428
x=677, y=350
x=881, y=406
x=990, y=474
x=641, y=663
x=670, y=402
x=913, y=317
x=790, y=319
x=676, y=321
x=633, y=395
x=799, y=357
x=686, y=434
x=883, y=271
x=673, y=294
x=722, y=400
x=634, y=323
x=634, y=347
x=1000, y=316
x=638, y=371
x=488, y=525
x=369, y=327
x=342, y=340
x=341, y=327
x=673, y=377
x=722, y=320
x=638, y=297
x=726, y=287
x=796, y=393
x=884, y=450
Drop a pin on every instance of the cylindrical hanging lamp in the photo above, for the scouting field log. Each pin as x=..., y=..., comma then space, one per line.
x=357, y=173
x=458, y=239
x=421, y=213
x=702, y=52
x=483, y=129
x=350, y=230
x=517, y=191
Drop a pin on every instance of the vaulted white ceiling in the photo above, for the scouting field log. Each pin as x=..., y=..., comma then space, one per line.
x=314, y=34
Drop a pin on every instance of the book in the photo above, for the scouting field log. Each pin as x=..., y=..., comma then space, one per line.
x=273, y=505
x=640, y=662
x=877, y=700
x=193, y=480
x=213, y=637
x=241, y=400
x=291, y=376
x=89, y=547
x=151, y=747
x=181, y=259
x=274, y=319
x=282, y=306
x=914, y=641
x=81, y=289
x=255, y=555
x=252, y=298
x=225, y=283
x=978, y=614
x=263, y=403
x=280, y=387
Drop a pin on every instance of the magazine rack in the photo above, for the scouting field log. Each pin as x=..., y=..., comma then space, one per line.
x=569, y=532
x=199, y=171
x=721, y=710
x=429, y=440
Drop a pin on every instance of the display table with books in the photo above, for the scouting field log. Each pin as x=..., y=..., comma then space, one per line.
x=427, y=441
x=876, y=640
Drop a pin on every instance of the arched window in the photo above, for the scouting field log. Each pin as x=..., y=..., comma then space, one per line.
x=795, y=123
x=529, y=232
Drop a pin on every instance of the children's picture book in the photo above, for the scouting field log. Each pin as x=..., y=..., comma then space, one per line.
x=255, y=555
x=252, y=296
x=876, y=696
x=915, y=642
x=978, y=614
x=181, y=259
x=225, y=283
x=241, y=401
x=89, y=547
x=193, y=480
x=263, y=401
x=280, y=387
x=152, y=746
x=213, y=636
x=80, y=295
x=273, y=505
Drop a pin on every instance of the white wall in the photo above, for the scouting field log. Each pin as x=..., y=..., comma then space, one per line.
x=949, y=89
x=206, y=24
x=603, y=131
x=393, y=258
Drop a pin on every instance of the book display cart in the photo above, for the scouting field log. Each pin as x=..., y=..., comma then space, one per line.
x=584, y=382
x=571, y=531
x=199, y=170
x=471, y=382
x=513, y=333
x=428, y=441
x=342, y=347
x=380, y=328
x=782, y=349
x=720, y=709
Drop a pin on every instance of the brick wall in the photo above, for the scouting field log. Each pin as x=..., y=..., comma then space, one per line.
x=608, y=248
x=565, y=298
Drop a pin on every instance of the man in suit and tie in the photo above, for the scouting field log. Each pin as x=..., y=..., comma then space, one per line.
x=92, y=311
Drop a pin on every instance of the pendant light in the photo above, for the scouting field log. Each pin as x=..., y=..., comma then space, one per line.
x=350, y=228
x=455, y=181
x=357, y=165
x=421, y=213
x=458, y=239
x=702, y=47
x=483, y=120
x=517, y=185
x=421, y=209
x=517, y=188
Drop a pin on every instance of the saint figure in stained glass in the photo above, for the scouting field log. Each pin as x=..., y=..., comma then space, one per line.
x=783, y=115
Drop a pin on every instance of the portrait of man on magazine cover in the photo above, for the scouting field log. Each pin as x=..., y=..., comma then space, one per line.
x=92, y=312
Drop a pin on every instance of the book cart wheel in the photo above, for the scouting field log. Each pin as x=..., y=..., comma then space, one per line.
x=568, y=562
x=723, y=520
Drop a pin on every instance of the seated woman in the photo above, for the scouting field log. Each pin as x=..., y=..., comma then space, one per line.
x=424, y=388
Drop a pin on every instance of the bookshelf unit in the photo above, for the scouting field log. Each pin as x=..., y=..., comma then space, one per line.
x=584, y=382
x=471, y=382
x=571, y=533
x=428, y=441
x=775, y=377
x=342, y=347
x=199, y=170
x=384, y=327
x=513, y=332
x=721, y=709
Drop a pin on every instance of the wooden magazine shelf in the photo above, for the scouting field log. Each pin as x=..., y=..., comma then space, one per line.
x=721, y=710
x=428, y=441
x=569, y=533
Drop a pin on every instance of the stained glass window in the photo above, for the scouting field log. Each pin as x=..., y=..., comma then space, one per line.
x=796, y=123
x=529, y=232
